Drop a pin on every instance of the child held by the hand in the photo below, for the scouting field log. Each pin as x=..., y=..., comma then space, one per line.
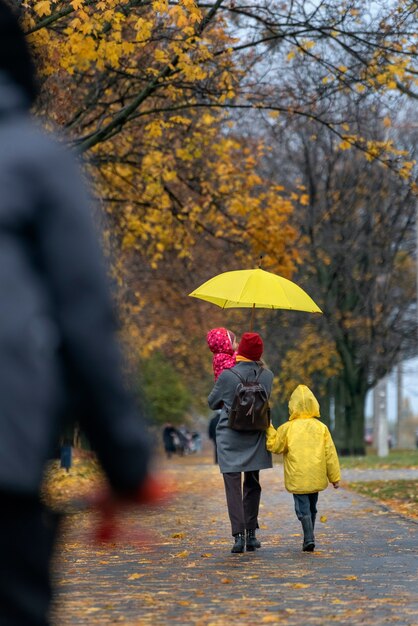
x=309, y=455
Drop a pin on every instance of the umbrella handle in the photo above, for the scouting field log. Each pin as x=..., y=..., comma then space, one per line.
x=252, y=318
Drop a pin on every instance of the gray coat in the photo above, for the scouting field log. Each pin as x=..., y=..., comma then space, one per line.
x=57, y=328
x=239, y=451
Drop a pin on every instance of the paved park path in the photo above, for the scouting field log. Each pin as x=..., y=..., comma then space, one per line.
x=363, y=571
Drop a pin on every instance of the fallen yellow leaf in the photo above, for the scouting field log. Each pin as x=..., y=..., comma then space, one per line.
x=323, y=518
x=135, y=576
x=181, y=555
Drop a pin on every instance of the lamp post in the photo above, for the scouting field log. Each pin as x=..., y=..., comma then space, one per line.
x=399, y=403
x=382, y=447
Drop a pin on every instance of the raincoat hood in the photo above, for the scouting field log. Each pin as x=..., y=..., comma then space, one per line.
x=303, y=403
x=220, y=341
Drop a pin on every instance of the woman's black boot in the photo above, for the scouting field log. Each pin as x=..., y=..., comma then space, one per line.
x=252, y=541
x=239, y=544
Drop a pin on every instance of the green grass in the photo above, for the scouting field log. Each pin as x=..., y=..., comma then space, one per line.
x=396, y=459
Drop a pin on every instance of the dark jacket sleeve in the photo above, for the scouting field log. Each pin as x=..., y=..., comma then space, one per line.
x=76, y=276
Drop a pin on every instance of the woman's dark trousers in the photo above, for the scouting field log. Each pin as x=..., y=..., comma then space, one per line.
x=243, y=500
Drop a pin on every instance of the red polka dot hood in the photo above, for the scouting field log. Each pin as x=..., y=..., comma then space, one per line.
x=220, y=342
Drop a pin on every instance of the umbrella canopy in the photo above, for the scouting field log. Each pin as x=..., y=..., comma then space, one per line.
x=255, y=289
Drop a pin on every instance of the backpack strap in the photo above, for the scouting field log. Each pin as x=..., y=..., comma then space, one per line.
x=246, y=380
x=236, y=374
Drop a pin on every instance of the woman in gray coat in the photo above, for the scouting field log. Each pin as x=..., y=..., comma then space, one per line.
x=241, y=451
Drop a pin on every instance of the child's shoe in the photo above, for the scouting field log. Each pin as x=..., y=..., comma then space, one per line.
x=308, y=534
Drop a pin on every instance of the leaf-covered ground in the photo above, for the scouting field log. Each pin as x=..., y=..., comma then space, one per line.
x=62, y=487
x=173, y=565
x=399, y=495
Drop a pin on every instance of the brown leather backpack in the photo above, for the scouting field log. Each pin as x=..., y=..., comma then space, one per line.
x=250, y=408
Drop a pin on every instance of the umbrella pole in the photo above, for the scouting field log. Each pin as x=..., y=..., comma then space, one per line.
x=252, y=319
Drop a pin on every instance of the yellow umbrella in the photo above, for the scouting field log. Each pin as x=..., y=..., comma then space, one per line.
x=256, y=289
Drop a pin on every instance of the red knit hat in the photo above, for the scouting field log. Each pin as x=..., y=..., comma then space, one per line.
x=251, y=346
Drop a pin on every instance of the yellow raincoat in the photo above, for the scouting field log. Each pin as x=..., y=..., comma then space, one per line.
x=310, y=458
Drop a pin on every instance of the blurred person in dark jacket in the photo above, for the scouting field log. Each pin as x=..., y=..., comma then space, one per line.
x=169, y=437
x=57, y=338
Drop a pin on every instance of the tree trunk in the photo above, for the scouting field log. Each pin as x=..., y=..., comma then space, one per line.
x=349, y=418
x=325, y=407
x=355, y=420
x=339, y=434
x=279, y=413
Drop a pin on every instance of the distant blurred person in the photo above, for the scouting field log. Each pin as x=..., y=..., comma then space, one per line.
x=57, y=338
x=169, y=435
x=196, y=442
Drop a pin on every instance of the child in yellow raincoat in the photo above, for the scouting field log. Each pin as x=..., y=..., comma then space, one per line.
x=310, y=458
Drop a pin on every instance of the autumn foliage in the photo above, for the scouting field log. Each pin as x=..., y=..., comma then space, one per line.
x=178, y=109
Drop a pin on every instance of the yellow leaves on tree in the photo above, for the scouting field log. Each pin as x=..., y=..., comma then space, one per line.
x=383, y=151
x=192, y=177
x=43, y=8
x=109, y=33
x=313, y=358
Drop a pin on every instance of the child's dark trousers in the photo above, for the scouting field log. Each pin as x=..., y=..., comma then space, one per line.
x=305, y=504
